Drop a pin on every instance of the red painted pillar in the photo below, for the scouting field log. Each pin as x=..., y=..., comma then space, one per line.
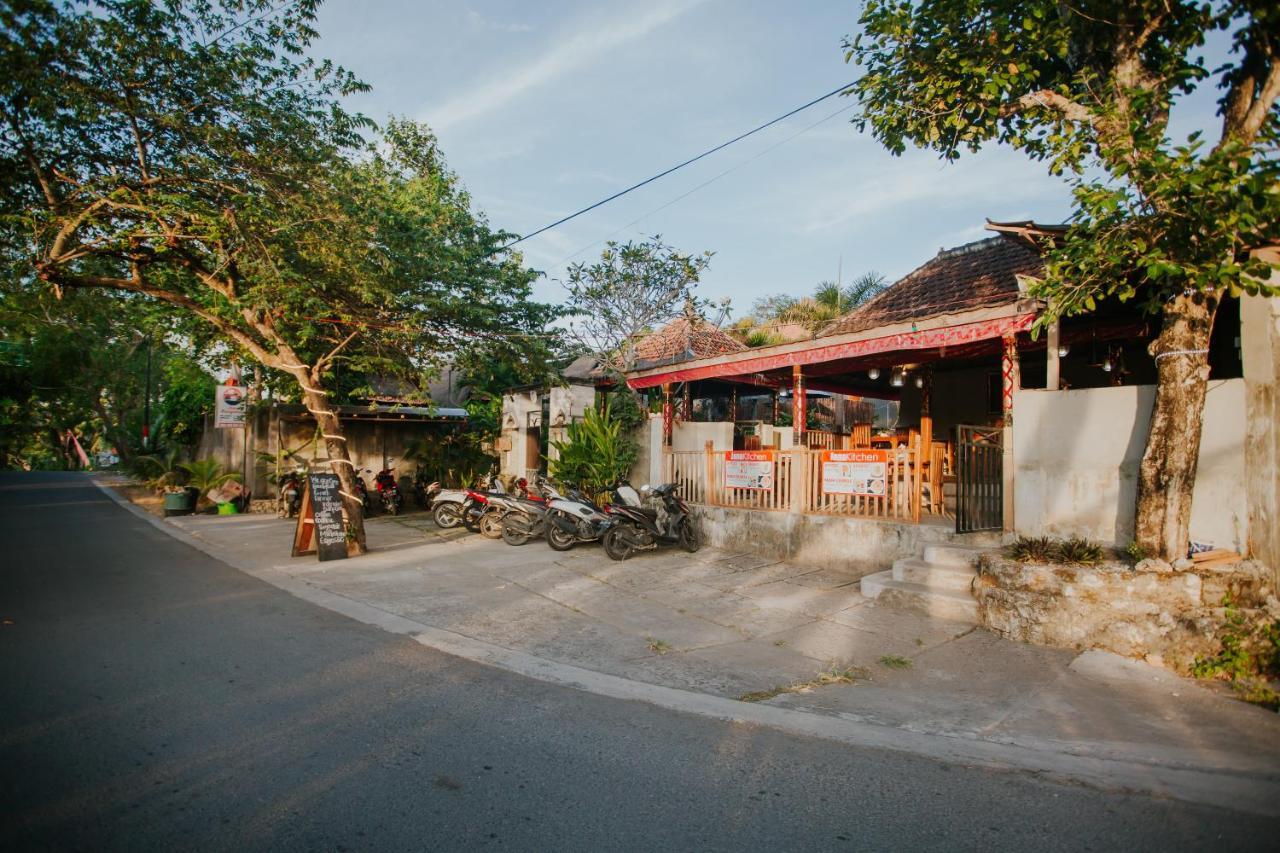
x=1009, y=377
x=798, y=405
x=668, y=414
x=686, y=404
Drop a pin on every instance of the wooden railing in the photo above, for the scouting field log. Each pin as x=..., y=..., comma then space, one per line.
x=797, y=485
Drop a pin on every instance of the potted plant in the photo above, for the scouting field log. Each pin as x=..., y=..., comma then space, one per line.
x=205, y=475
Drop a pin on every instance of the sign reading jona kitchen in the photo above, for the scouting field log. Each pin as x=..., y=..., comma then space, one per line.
x=748, y=469
x=855, y=472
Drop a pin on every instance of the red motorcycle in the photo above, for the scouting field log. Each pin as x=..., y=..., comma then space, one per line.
x=388, y=491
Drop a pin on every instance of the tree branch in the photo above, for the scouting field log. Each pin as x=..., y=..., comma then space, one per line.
x=1049, y=100
x=46, y=186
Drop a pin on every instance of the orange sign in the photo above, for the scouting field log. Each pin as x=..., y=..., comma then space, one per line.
x=748, y=469
x=855, y=472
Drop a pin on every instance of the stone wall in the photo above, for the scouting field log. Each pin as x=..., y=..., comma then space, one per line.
x=1151, y=611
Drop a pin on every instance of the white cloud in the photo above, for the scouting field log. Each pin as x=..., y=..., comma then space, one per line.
x=575, y=49
x=479, y=20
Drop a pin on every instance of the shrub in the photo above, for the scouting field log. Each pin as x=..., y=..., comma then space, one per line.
x=1081, y=551
x=1032, y=549
x=1134, y=553
x=1249, y=657
x=598, y=451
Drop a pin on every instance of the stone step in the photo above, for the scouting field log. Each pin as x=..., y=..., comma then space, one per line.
x=872, y=585
x=960, y=556
x=916, y=570
x=937, y=602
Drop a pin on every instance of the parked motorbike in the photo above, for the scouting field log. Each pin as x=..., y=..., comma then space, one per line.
x=527, y=517
x=388, y=491
x=476, y=503
x=424, y=490
x=574, y=518
x=289, y=501
x=664, y=518
x=362, y=490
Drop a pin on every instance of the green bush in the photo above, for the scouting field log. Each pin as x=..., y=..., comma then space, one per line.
x=1249, y=657
x=1080, y=551
x=1042, y=549
x=597, y=453
x=1032, y=549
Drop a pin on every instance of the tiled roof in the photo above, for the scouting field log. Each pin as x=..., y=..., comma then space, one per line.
x=976, y=275
x=680, y=340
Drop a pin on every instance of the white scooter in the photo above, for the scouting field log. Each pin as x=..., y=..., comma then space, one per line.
x=447, y=504
x=573, y=518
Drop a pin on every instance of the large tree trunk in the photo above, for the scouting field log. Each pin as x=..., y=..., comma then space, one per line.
x=340, y=461
x=1167, y=477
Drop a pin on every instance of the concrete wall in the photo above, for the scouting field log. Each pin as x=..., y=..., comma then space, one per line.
x=694, y=435
x=858, y=546
x=515, y=429
x=1076, y=456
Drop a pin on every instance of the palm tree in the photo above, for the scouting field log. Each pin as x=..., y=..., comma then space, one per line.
x=828, y=302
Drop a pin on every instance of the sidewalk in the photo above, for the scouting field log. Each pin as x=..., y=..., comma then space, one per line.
x=733, y=625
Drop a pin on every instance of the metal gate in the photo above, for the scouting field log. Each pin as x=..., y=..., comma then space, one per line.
x=979, y=479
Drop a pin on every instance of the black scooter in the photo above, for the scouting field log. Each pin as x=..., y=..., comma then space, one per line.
x=643, y=528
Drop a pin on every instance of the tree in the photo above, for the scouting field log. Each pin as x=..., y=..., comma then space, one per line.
x=190, y=153
x=828, y=302
x=633, y=289
x=1088, y=88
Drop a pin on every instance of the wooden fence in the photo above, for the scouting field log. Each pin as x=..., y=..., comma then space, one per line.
x=797, y=485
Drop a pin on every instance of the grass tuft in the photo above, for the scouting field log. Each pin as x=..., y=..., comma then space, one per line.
x=895, y=662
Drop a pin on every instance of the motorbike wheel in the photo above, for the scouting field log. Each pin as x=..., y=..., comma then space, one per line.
x=558, y=539
x=515, y=531
x=690, y=535
x=471, y=521
x=617, y=542
x=491, y=525
x=445, y=515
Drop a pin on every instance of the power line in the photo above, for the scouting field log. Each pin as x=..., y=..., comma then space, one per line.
x=666, y=172
x=706, y=183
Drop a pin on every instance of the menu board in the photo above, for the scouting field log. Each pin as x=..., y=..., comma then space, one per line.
x=748, y=469
x=855, y=472
x=320, y=519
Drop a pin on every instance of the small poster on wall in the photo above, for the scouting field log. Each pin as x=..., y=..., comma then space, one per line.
x=229, y=407
x=855, y=472
x=748, y=469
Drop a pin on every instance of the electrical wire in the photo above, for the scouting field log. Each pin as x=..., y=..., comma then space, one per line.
x=666, y=172
x=706, y=183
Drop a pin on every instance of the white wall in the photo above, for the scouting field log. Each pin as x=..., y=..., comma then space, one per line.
x=1076, y=456
x=694, y=435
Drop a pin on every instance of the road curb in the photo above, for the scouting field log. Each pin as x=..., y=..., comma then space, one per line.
x=1235, y=791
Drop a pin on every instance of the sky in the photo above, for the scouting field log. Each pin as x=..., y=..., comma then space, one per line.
x=544, y=108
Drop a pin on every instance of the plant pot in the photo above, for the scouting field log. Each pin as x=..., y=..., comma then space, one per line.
x=178, y=504
x=228, y=508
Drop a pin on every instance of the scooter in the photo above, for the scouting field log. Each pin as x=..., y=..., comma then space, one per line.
x=447, y=505
x=574, y=518
x=424, y=491
x=362, y=490
x=640, y=528
x=527, y=518
x=289, y=501
x=388, y=490
x=476, y=505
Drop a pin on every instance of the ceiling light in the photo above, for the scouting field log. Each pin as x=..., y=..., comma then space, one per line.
x=1063, y=349
x=896, y=378
x=873, y=374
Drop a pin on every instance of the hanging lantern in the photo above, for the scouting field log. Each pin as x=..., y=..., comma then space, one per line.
x=873, y=374
x=1063, y=349
x=897, y=378
x=919, y=381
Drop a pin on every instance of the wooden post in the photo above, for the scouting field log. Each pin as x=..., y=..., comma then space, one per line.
x=1010, y=382
x=776, y=407
x=926, y=435
x=733, y=404
x=686, y=403
x=668, y=414
x=797, y=404
x=711, y=473
x=1051, y=370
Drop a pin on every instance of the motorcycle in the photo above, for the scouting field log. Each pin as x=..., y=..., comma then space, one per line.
x=289, y=501
x=447, y=505
x=527, y=517
x=640, y=528
x=362, y=490
x=476, y=504
x=424, y=491
x=574, y=518
x=388, y=490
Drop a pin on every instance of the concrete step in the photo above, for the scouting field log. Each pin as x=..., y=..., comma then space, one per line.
x=873, y=585
x=959, y=556
x=916, y=570
x=938, y=602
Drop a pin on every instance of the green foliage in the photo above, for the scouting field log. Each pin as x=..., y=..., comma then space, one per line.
x=633, y=289
x=1135, y=552
x=1249, y=657
x=196, y=156
x=598, y=451
x=895, y=662
x=1089, y=88
x=1032, y=549
x=207, y=474
x=828, y=302
x=1043, y=549
x=185, y=397
x=160, y=471
x=455, y=458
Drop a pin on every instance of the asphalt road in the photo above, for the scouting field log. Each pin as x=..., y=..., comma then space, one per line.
x=154, y=698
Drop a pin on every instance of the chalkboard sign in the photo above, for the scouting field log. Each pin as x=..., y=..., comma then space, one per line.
x=326, y=503
x=321, y=519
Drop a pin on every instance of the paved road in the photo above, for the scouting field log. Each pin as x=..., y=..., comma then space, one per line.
x=154, y=698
